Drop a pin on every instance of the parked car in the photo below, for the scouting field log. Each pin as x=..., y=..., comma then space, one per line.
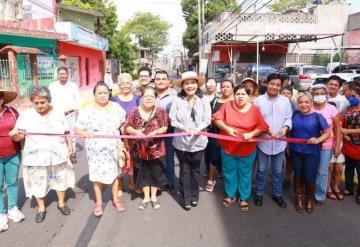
x=336, y=67
x=344, y=78
x=342, y=67
x=303, y=76
x=351, y=71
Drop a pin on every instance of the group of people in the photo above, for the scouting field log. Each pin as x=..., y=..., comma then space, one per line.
x=323, y=136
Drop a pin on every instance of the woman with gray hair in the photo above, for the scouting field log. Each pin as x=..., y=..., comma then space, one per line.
x=128, y=101
x=45, y=159
x=332, y=144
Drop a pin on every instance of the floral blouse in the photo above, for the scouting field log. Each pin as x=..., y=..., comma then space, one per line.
x=149, y=149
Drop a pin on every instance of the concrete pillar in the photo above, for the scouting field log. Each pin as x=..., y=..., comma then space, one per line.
x=33, y=64
x=13, y=70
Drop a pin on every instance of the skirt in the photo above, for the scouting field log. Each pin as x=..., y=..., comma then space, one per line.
x=152, y=173
x=39, y=180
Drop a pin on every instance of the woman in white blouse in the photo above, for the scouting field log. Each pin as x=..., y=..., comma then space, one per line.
x=45, y=159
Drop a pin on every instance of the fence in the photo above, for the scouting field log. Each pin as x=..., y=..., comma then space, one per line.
x=5, y=77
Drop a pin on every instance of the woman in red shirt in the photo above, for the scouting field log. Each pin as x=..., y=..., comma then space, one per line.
x=239, y=118
x=351, y=146
x=9, y=161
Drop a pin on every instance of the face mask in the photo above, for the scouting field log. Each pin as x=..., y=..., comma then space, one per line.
x=353, y=101
x=320, y=99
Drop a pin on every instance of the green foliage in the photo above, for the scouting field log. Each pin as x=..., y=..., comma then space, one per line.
x=190, y=13
x=283, y=5
x=119, y=44
x=323, y=59
x=151, y=30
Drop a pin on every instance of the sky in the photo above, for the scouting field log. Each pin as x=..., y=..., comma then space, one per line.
x=170, y=10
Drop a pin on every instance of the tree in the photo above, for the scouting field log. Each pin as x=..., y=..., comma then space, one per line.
x=119, y=43
x=151, y=31
x=190, y=12
x=283, y=5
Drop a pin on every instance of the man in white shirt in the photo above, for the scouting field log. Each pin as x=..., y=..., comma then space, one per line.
x=65, y=96
x=333, y=84
x=108, y=80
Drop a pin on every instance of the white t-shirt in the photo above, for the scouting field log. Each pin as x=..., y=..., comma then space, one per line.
x=65, y=97
x=341, y=102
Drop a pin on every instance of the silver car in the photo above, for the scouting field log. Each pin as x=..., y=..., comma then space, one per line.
x=303, y=76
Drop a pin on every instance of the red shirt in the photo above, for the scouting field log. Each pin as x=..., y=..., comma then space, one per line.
x=7, y=123
x=352, y=121
x=243, y=122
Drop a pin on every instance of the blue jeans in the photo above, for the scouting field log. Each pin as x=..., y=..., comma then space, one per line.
x=322, y=175
x=237, y=174
x=305, y=166
x=276, y=161
x=9, y=171
x=170, y=162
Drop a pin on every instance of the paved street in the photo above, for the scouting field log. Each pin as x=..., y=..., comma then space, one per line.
x=334, y=224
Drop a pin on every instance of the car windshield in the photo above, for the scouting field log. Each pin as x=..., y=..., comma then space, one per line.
x=315, y=70
x=348, y=71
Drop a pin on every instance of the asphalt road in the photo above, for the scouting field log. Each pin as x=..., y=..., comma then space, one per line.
x=337, y=223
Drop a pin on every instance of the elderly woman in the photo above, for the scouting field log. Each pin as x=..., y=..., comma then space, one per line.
x=190, y=112
x=9, y=161
x=251, y=85
x=239, y=118
x=149, y=120
x=45, y=159
x=212, y=151
x=128, y=101
x=103, y=117
x=211, y=89
x=351, y=132
x=331, y=114
x=305, y=157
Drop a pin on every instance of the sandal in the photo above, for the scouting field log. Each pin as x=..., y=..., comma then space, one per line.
x=142, y=205
x=98, y=210
x=339, y=195
x=227, y=202
x=210, y=185
x=119, y=206
x=244, y=207
x=331, y=195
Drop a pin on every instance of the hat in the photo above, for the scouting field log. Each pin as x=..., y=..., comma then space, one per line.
x=8, y=95
x=189, y=75
x=249, y=79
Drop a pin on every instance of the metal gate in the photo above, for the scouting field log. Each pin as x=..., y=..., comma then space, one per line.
x=5, y=76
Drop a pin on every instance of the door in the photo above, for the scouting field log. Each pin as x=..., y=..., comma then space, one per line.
x=74, y=69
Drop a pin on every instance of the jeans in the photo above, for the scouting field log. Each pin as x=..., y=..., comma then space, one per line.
x=350, y=166
x=238, y=174
x=189, y=175
x=305, y=166
x=276, y=161
x=9, y=171
x=71, y=122
x=322, y=175
x=170, y=162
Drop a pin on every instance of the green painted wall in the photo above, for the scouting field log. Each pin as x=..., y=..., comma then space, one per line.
x=84, y=20
x=46, y=45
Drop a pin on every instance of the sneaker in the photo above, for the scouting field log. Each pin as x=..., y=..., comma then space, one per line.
x=15, y=214
x=3, y=222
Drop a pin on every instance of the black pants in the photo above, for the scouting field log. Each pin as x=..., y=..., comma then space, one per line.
x=189, y=175
x=350, y=166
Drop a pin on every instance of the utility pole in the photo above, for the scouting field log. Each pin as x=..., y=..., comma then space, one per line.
x=200, y=29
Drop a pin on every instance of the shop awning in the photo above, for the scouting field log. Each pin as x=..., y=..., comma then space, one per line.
x=20, y=50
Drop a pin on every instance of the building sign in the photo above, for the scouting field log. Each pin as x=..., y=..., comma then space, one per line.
x=82, y=36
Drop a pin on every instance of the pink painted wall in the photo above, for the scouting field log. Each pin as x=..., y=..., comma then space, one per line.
x=96, y=62
x=352, y=38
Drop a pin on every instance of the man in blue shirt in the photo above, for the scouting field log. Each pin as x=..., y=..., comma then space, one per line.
x=164, y=100
x=277, y=112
